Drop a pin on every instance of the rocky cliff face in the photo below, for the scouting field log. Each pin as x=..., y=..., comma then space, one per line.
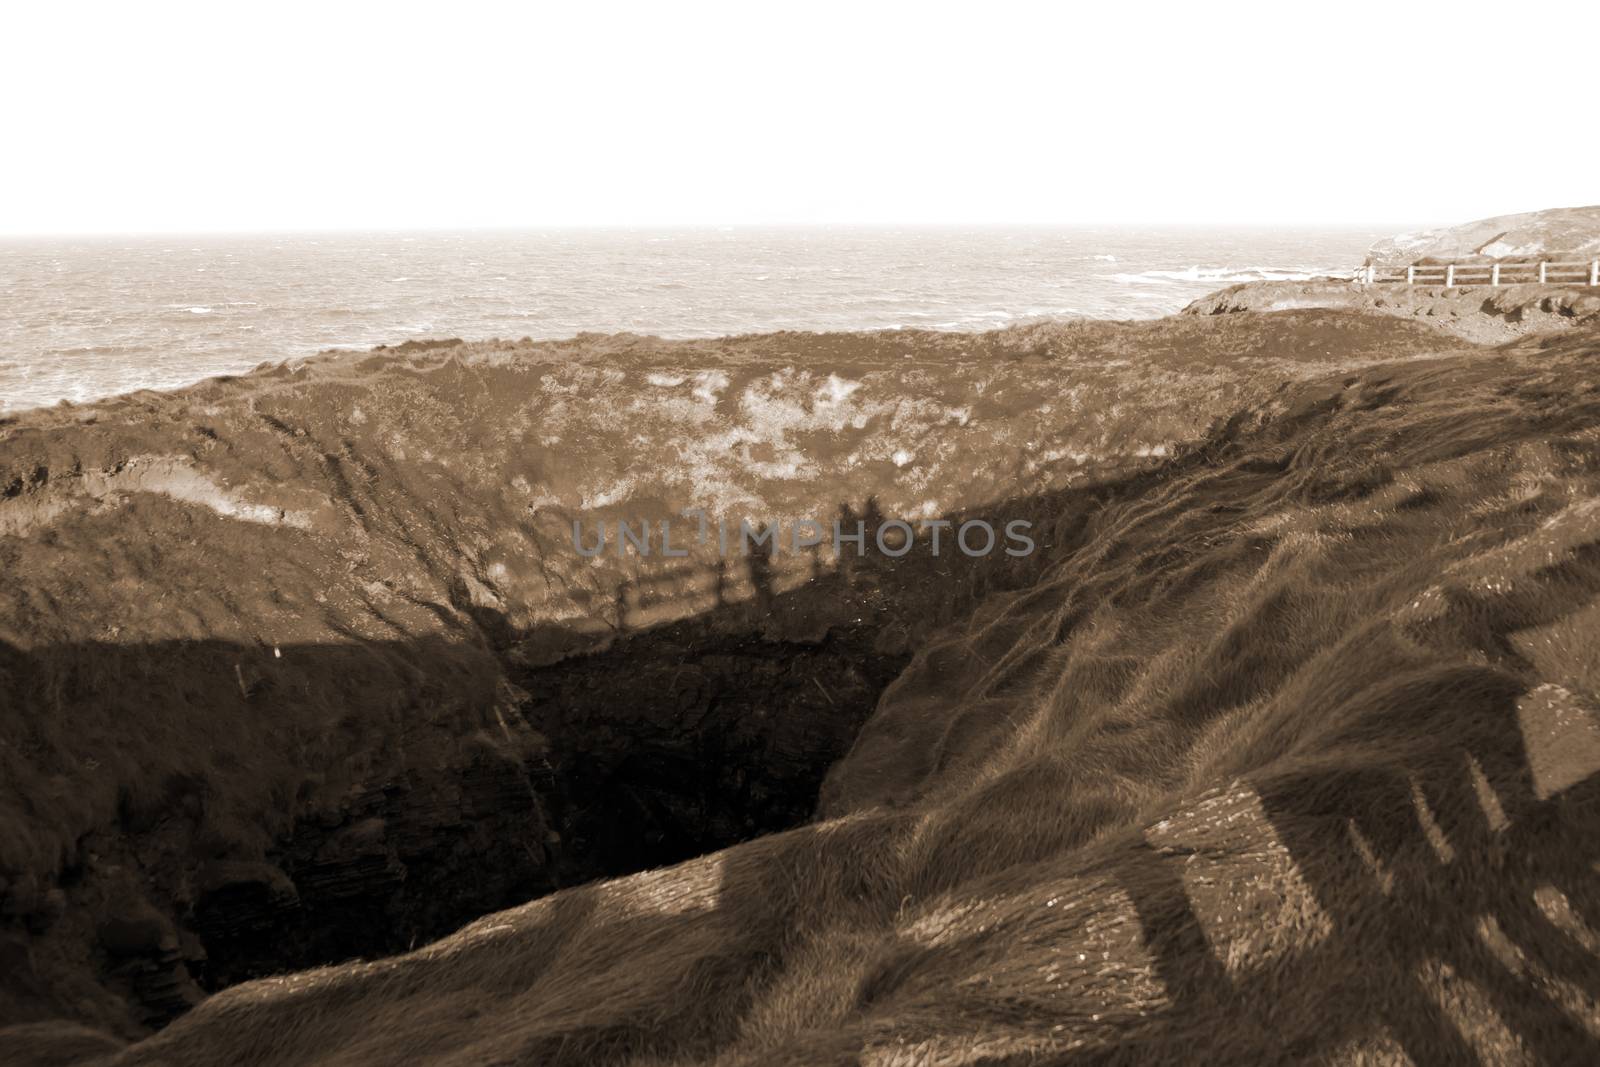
x=1569, y=232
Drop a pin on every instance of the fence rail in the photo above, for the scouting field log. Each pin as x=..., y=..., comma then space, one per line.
x=1572, y=272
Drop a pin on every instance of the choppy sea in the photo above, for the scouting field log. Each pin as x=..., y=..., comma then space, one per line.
x=82, y=318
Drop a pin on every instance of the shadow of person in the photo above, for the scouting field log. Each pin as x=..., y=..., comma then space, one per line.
x=623, y=604
x=720, y=583
x=759, y=565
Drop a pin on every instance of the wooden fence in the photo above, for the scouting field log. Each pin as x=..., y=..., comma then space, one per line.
x=1543, y=271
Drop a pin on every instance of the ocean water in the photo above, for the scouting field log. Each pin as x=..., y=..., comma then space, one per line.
x=82, y=318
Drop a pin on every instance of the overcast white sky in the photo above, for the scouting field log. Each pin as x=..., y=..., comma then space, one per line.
x=193, y=117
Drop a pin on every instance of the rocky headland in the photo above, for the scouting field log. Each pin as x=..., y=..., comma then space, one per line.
x=323, y=741
x=1567, y=232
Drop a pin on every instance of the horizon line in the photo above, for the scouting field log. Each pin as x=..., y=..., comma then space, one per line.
x=707, y=227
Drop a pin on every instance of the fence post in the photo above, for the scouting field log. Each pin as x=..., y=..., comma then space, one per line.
x=1594, y=272
x=1449, y=275
x=1494, y=274
x=1411, y=274
x=1541, y=271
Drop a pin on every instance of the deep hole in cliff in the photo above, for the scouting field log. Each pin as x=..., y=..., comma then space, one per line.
x=669, y=742
x=667, y=745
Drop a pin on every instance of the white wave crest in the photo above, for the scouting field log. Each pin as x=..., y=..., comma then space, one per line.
x=1228, y=274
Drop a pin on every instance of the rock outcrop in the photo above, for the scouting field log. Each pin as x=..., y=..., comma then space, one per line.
x=1481, y=314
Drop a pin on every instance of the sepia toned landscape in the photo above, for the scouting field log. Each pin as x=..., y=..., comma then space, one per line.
x=321, y=741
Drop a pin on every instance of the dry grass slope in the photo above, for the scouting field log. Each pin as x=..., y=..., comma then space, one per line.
x=1291, y=760
x=250, y=617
